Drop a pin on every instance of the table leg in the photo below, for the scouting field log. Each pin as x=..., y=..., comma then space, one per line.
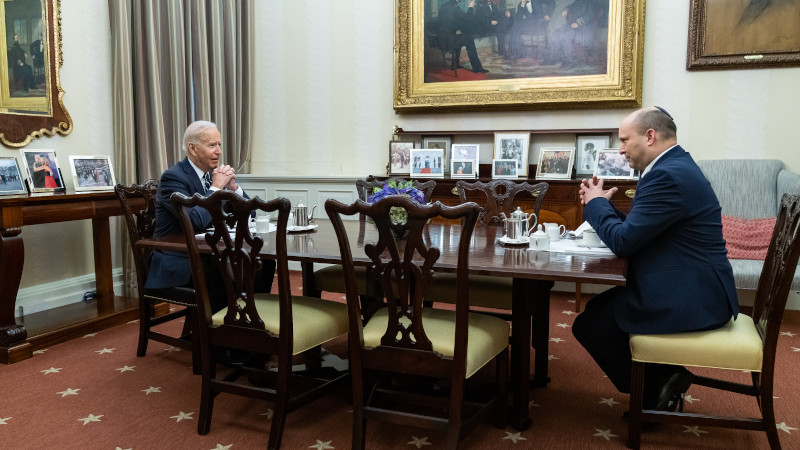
x=13, y=338
x=104, y=282
x=540, y=338
x=307, y=269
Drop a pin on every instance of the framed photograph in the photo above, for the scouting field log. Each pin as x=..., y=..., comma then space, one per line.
x=10, y=177
x=555, y=163
x=586, y=148
x=427, y=163
x=463, y=168
x=400, y=157
x=437, y=143
x=741, y=34
x=513, y=146
x=596, y=59
x=92, y=173
x=42, y=168
x=504, y=168
x=30, y=86
x=465, y=151
x=610, y=164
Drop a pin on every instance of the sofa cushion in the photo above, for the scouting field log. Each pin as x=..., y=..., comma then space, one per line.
x=747, y=238
x=746, y=188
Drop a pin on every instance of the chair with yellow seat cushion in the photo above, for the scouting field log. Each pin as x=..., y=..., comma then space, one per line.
x=255, y=326
x=746, y=344
x=405, y=339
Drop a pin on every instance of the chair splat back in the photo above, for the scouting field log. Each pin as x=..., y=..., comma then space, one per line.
x=777, y=273
x=235, y=254
x=500, y=195
x=140, y=223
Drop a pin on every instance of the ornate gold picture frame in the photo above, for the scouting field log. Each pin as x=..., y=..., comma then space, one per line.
x=740, y=34
x=30, y=60
x=536, y=83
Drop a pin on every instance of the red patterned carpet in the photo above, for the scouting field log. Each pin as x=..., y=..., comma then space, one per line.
x=94, y=393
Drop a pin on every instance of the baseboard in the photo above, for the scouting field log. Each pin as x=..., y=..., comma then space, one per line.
x=60, y=293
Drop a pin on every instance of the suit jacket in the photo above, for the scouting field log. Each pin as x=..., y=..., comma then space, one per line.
x=679, y=277
x=170, y=269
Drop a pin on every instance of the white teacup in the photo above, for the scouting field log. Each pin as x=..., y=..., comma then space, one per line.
x=591, y=238
x=555, y=230
x=262, y=224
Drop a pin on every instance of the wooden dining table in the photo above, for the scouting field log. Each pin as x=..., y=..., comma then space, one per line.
x=533, y=274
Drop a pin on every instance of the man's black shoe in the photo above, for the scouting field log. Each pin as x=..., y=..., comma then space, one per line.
x=670, y=395
x=480, y=70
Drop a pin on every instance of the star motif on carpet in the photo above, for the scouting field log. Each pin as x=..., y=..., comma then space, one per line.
x=783, y=427
x=569, y=313
x=556, y=339
x=151, y=390
x=419, y=442
x=4, y=421
x=105, y=350
x=796, y=349
x=172, y=349
x=608, y=401
x=120, y=448
x=268, y=414
x=322, y=445
x=91, y=418
x=531, y=404
x=514, y=437
x=68, y=391
x=133, y=321
x=222, y=447
x=50, y=370
x=89, y=335
x=562, y=325
x=694, y=430
x=788, y=333
x=551, y=357
x=605, y=434
x=571, y=301
x=39, y=352
x=182, y=415
x=689, y=399
x=125, y=369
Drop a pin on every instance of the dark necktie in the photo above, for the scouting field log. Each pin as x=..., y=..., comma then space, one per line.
x=207, y=181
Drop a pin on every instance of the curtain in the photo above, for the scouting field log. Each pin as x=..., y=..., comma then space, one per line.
x=174, y=62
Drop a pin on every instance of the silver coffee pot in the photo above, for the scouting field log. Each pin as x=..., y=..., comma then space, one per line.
x=300, y=215
x=517, y=225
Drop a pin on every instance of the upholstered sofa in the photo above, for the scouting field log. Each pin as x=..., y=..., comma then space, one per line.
x=750, y=189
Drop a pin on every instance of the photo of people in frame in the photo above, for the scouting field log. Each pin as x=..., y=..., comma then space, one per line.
x=555, y=163
x=463, y=168
x=610, y=164
x=400, y=157
x=586, y=152
x=427, y=163
x=42, y=168
x=92, y=173
x=10, y=177
x=504, y=168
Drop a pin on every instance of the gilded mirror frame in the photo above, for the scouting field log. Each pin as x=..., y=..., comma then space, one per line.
x=619, y=87
x=25, y=115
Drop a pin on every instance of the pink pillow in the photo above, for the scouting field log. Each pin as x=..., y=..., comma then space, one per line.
x=747, y=238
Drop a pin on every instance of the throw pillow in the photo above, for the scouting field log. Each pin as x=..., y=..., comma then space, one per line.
x=747, y=238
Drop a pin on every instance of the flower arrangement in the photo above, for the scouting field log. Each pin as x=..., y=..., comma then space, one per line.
x=393, y=187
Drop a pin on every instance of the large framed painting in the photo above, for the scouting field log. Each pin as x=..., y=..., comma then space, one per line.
x=738, y=34
x=544, y=55
x=30, y=88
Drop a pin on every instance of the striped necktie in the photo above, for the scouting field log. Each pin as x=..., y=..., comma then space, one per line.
x=207, y=181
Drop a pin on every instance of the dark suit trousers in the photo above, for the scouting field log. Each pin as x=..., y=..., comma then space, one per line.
x=216, y=286
x=597, y=331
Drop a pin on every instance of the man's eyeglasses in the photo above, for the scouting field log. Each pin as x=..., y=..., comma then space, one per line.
x=664, y=111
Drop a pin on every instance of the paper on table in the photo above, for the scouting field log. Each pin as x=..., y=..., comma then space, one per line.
x=571, y=246
x=583, y=227
x=272, y=227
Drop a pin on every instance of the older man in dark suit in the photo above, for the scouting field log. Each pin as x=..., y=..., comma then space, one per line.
x=679, y=277
x=200, y=172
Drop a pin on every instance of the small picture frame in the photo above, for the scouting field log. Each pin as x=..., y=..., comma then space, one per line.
x=463, y=168
x=400, y=157
x=436, y=143
x=428, y=163
x=92, y=173
x=465, y=151
x=505, y=168
x=555, y=163
x=586, y=148
x=43, y=170
x=610, y=164
x=11, y=181
x=513, y=146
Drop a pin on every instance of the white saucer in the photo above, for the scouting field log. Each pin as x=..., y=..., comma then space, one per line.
x=506, y=240
x=292, y=228
x=580, y=243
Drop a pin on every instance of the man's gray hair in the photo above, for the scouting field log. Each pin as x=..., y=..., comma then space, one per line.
x=194, y=130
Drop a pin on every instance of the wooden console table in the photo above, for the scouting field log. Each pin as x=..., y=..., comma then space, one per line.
x=18, y=211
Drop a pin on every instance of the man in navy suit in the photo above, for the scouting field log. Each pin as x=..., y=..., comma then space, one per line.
x=199, y=172
x=679, y=278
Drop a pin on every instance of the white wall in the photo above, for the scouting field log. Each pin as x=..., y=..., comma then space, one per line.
x=324, y=95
